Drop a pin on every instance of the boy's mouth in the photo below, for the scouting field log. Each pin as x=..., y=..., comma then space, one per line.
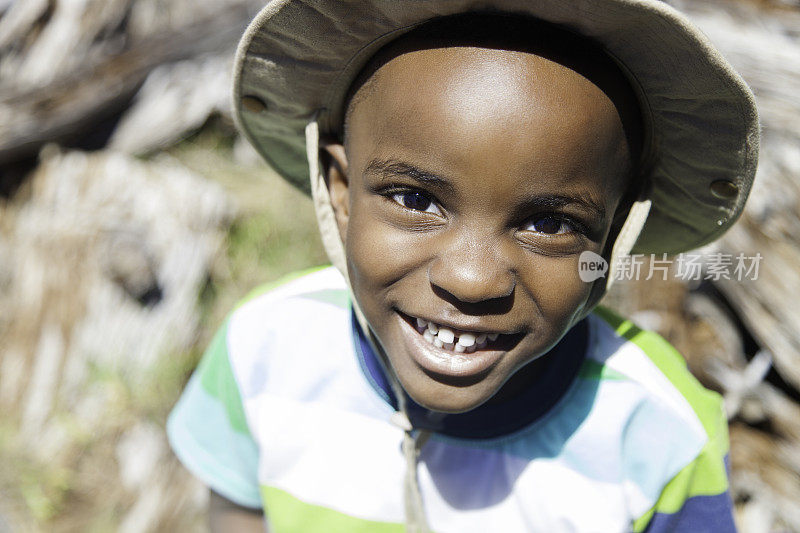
x=453, y=352
x=453, y=339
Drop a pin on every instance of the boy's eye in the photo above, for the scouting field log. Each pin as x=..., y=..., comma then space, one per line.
x=416, y=200
x=550, y=225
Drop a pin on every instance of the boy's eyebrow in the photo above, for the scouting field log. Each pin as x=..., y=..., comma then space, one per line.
x=387, y=168
x=554, y=201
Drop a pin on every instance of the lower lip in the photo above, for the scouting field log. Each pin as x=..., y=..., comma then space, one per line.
x=445, y=362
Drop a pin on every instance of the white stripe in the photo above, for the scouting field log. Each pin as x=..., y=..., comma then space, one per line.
x=327, y=457
x=556, y=499
x=311, y=360
x=631, y=361
x=327, y=278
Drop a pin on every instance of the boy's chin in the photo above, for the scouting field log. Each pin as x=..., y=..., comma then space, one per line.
x=446, y=398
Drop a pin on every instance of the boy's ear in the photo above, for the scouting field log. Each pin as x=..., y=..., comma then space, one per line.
x=334, y=166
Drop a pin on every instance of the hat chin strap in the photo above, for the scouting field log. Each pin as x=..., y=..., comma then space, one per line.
x=628, y=234
x=416, y=521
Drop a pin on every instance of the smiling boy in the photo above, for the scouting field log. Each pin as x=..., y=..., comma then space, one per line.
x=477, y=174
x=467, y=160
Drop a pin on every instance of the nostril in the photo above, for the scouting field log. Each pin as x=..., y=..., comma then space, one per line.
x=489, y=306
x=473, y=270
x=473, y=285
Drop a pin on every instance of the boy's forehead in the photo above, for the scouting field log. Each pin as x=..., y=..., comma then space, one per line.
x=488, y=86
x=496, y=109
x=493, y=50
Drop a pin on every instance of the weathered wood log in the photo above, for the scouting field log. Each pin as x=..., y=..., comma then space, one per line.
x=109, y=255
x=29, y=118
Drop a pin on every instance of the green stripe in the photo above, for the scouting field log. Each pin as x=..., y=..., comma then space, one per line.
x=337, y=297
x=591, y=369
x=706, y=474
x=216, y=378
x=272, y=285
x=216, y=374
x=287, y=514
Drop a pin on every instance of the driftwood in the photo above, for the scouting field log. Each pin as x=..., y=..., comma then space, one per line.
x=110, y=254
x=102, y=256
x=37, y=110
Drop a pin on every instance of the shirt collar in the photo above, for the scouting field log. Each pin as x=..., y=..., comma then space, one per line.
x=488, y=420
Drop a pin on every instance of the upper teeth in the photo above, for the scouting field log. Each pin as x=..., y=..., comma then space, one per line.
x=444, y=337
x=466, y=340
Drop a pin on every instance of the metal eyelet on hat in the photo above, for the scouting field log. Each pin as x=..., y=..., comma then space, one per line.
x=724, y=189
x=253, y=104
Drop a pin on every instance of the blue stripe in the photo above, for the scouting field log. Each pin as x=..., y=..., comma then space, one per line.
x=203, y=439
x=699, y=514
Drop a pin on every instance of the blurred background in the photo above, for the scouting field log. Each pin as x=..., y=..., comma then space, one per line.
x=133, y=217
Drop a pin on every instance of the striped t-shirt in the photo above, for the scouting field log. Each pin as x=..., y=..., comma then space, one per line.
x=289, y=412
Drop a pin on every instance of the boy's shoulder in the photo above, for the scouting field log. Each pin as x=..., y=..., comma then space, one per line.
x=667, y=412
x=621, y=351
x=309, y=308
x=308, y=304
x=641, y=369
x=294, y=339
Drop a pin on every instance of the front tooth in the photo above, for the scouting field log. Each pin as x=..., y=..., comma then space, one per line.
x=428, y=336
x=433, y=328
x=459, y=348
x=481, y=339
x=466, y=339
x=422, y=324
x=493, y=336
x=437, y=342
x=445, y=335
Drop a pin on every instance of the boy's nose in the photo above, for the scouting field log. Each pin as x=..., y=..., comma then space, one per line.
x=473, y=272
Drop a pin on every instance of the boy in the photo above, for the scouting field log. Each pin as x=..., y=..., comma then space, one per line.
x=463, y=157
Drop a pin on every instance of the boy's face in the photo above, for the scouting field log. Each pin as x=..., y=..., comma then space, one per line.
x=472, y=181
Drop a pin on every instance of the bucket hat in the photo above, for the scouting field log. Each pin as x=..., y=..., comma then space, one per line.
x=298, y=59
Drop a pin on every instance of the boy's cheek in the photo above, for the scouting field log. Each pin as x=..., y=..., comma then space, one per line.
x=556, y=288
x=377, y=259
x=377, y=253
